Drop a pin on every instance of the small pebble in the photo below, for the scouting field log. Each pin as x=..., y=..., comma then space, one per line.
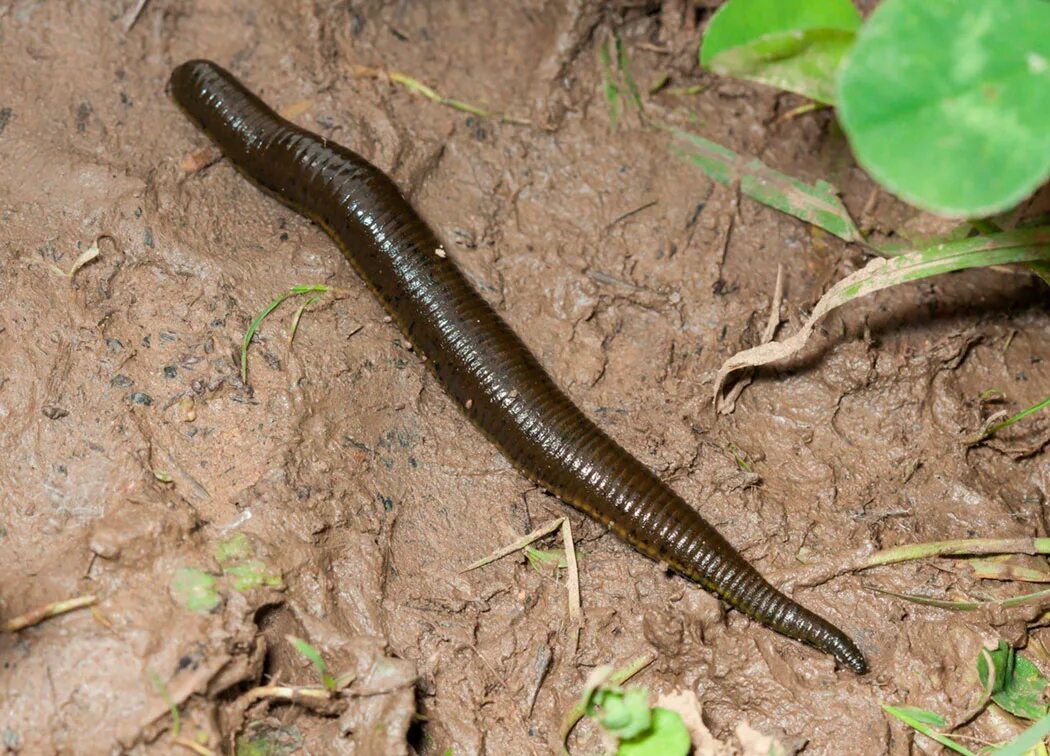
x=187, y=412
x=141, y=398
x=170, y=371
x=54, y=413
x=469, y=404
x=121, y=381
x=440, y=252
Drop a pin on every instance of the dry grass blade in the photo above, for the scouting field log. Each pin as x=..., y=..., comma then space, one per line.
x=575, y=610
x=966, y=605
x=990, y=569
x=882, y=273
x=728, y=403
x=41, y=613
x=821, y=573
x=519, y=544
x=192, y=745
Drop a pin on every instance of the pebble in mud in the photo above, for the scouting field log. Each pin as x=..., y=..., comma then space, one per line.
x=121, y=381
x=140, y=397
x=53, y=412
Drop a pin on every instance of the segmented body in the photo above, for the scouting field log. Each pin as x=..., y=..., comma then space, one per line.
x=479, y=360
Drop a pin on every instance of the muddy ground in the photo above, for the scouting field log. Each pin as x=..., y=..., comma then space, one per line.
x=356, y=480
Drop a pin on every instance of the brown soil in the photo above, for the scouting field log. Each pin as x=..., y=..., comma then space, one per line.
x=354, y=476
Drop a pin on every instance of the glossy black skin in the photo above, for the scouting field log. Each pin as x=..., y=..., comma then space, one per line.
x=482, y=364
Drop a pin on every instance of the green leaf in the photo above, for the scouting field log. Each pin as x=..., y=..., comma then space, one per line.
x=1018, y=686
x=195, y=589
x=315, y=658
x=925, y=721
x=667, y=736
x=233, y=550
x=624, y=714
x=818, y=203
x=791, y=44
x=545, y=558
x=253, y=574
x=945, y=102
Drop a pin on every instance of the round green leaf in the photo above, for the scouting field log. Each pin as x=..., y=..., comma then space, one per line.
x=946, y=102
x=790, y=44
x=667, y=736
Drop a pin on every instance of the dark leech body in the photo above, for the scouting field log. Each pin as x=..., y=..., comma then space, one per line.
x=479, y=360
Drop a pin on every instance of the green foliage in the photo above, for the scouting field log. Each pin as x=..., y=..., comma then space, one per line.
x=315, y=658
x=236, y=548
x=195, y=589
x=253, y=573
x=943, y=101
x=295, y=291
x=946, y=102
x=1018, y=684
x=639, y=729
x=791, y=44
x=928, y=723
x=813, y=203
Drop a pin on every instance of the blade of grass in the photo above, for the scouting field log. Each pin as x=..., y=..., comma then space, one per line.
x=517, y=545
x=817, y=204
x=315, y=658
x=962, y=547
x=882, y=273
x=966, y=606
x=298, y=316
x=989, y=569
x=54, y=609
x=1027, y=740
x=573, y=573
x=611, y=90
x=190, y=745
x=993, y=429
x=274, y=304
x=415, y=85
x=623, y=65
x=162, y=691
x=924, y=721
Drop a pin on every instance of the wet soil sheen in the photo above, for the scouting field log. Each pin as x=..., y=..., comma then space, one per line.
x=131, y=450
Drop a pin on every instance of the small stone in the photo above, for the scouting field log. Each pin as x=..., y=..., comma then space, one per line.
x=187, y=412
x=440, y=252
x=170, y=371
x=54, y=413
x=121, y=381
x=141, y=398
x=469, y=404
